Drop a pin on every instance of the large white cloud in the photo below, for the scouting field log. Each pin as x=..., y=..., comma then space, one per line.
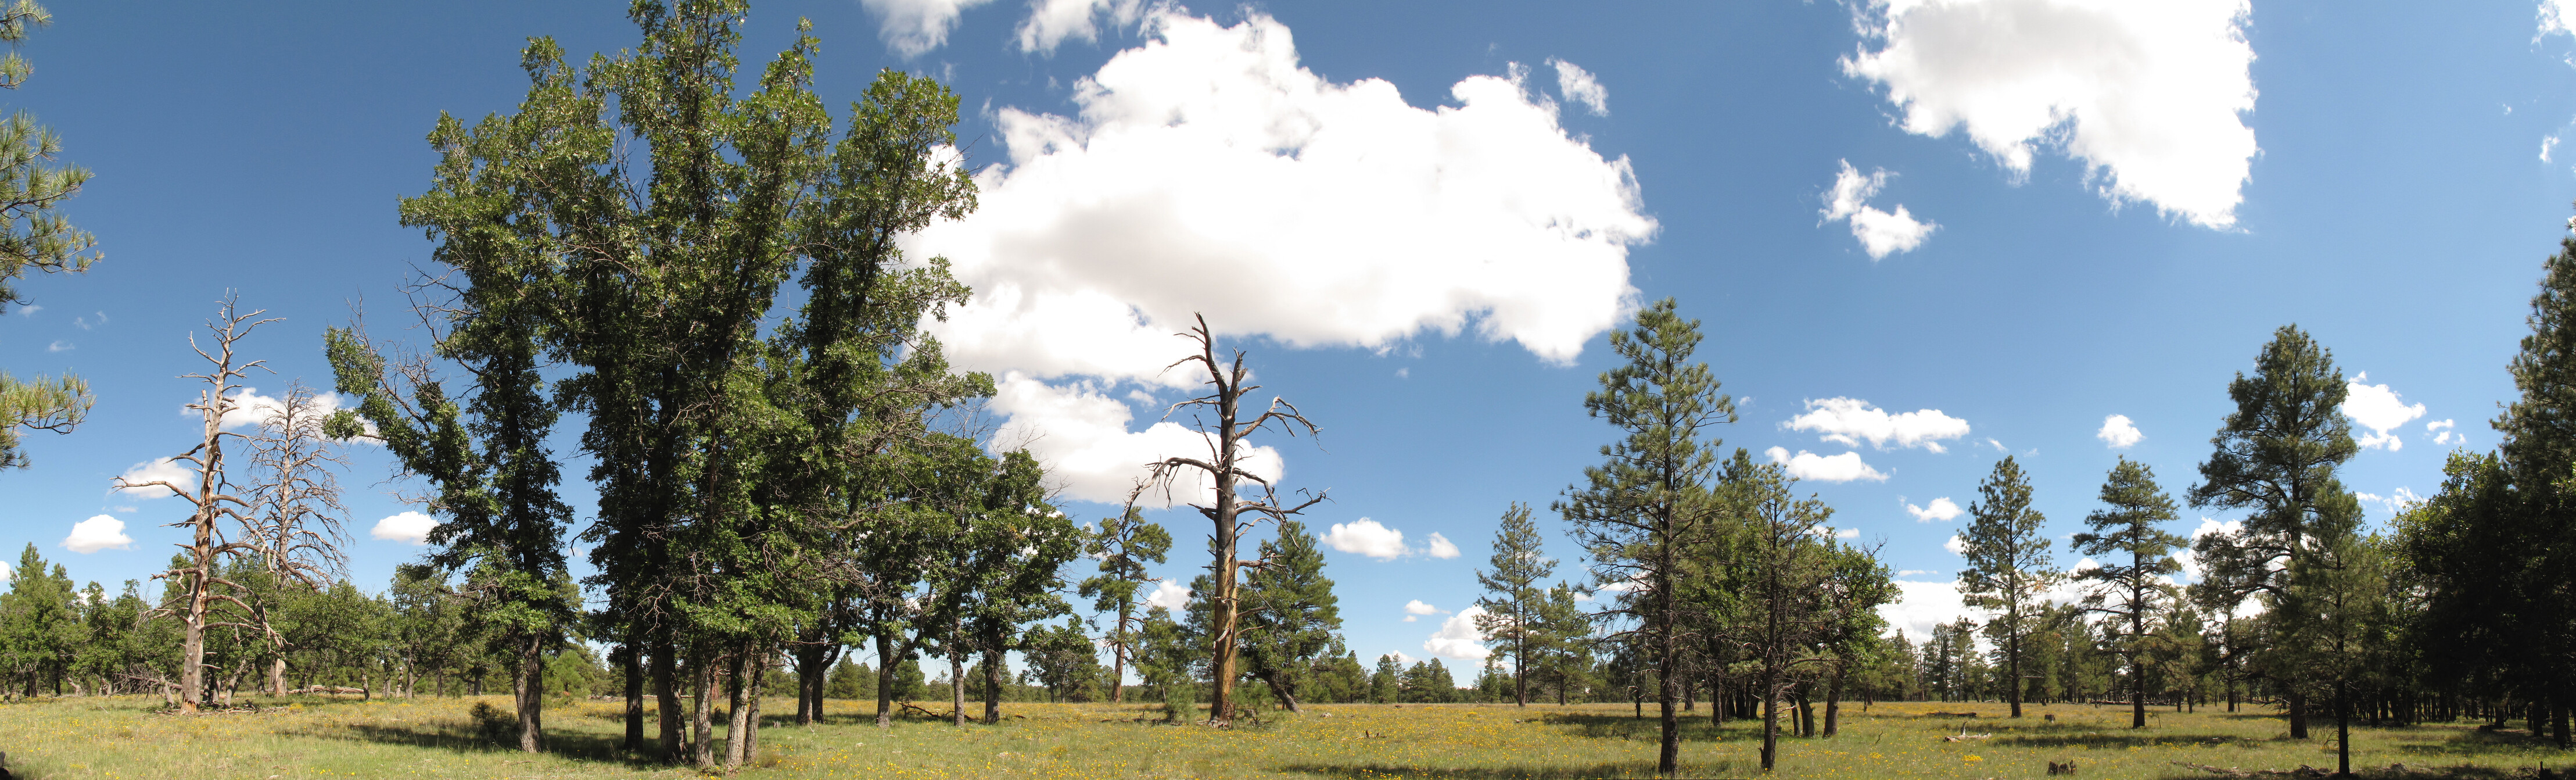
x=1458, y=637
x=2119, y=432
x=2555, y=16
x=1881, y=233
x=1206, y=171
x=1837, y=468
x=2151, y=96
x=1920, y=605
x=411, y=527
x=912, y=27
x=1850, y=421
x=2378, y=408
x=1365, y=537
x=100, y=532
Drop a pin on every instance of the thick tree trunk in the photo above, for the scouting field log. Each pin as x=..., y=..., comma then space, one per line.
x=2014, y=683
x=735, y=727
x=666, y=695
x=751, y=734
x=702, y=681
x=1834, y=702
x=957, y=688
x=528, y=684
x=2298, y=714
x=1770, y=717
x=277, y=675
x=633, y=665
x=993, y=688
x=885, y=681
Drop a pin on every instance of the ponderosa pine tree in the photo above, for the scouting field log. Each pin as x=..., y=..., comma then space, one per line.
x=2275, y=457
x=34, y=235
x=1632, y=512
x=2538, y=553
x=1290, y=616
x=2130, y=594
x=1123, y=545
x=2008, y=566
x=1514, y=593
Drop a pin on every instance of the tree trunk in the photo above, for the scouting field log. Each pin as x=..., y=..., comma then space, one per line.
x=1770, y=717
x=993, y=687
x=885, y=681
x=666, y=695
x=2013, y=684
x=1280, y=688
x=702, y=681
x=1834, y=702
x=528, y=684
x=1668, y=753
x=957, y=688
x=1118, y=658
x=2298, y=714
x=277, y=675
x=751, y=734
x=735, y=727
x=633, y=665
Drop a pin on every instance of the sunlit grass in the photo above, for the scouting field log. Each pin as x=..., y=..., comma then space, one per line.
x=123, y=738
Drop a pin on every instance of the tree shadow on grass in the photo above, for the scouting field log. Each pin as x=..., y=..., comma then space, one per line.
x=1606, y=769
x=485, y=730
x=2479, y=742
x=2099, y=740
x=1694, y=728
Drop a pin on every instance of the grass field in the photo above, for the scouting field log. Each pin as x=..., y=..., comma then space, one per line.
x=309, y=738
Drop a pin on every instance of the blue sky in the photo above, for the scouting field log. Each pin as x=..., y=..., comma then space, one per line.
x=1421, y=219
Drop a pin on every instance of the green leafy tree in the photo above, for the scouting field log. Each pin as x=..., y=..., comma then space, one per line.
x=2129, y=595
x=1168, y=659
x=1123, y=545
x=1633, y=512
x=1514, y=593
x=33, y=234
x=1291, y=619
x=2275, y=458
x=1064, y=659
x=1387, y=682
x=2008, y=566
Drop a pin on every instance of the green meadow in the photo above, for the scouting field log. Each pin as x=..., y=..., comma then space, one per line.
x=113, y=737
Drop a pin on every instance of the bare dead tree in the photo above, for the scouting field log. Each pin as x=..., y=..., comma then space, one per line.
x=298, y=521
x=200, y=586
x=1226, y=509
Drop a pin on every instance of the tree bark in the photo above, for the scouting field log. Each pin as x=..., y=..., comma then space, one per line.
x=957, y=688
x=702, y=679
x=666, y=693
x=993, y=687
x=1834, y=701
x=1770, y=717
x=633, y=666
x=735, y=727
x=1280, y=688
x=885, y=681
x=2298, y=714
x=528, y=684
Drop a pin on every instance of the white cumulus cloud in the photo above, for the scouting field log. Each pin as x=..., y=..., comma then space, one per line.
x=1052, y=22
x=1957, y=545
x=1206, y=164
x=2150, y=96
x=1440, y=547
x=1850, y=421
x=914, y=27
x=1365, y=537
x=2444, y=431
x=1580, y=88
x=1881, y=233
x=1170, y=595
x=1416, y=607
x=1920, y=605
x=2555, y=16
x=2378, y=408
x=1822, y=468
x=1942, y=509
x=2118, y=432
x=2191, y=563
x=101, y=532
x=163, y=470
x=1081, y=434
x=1459, y=638
x=412, y=527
